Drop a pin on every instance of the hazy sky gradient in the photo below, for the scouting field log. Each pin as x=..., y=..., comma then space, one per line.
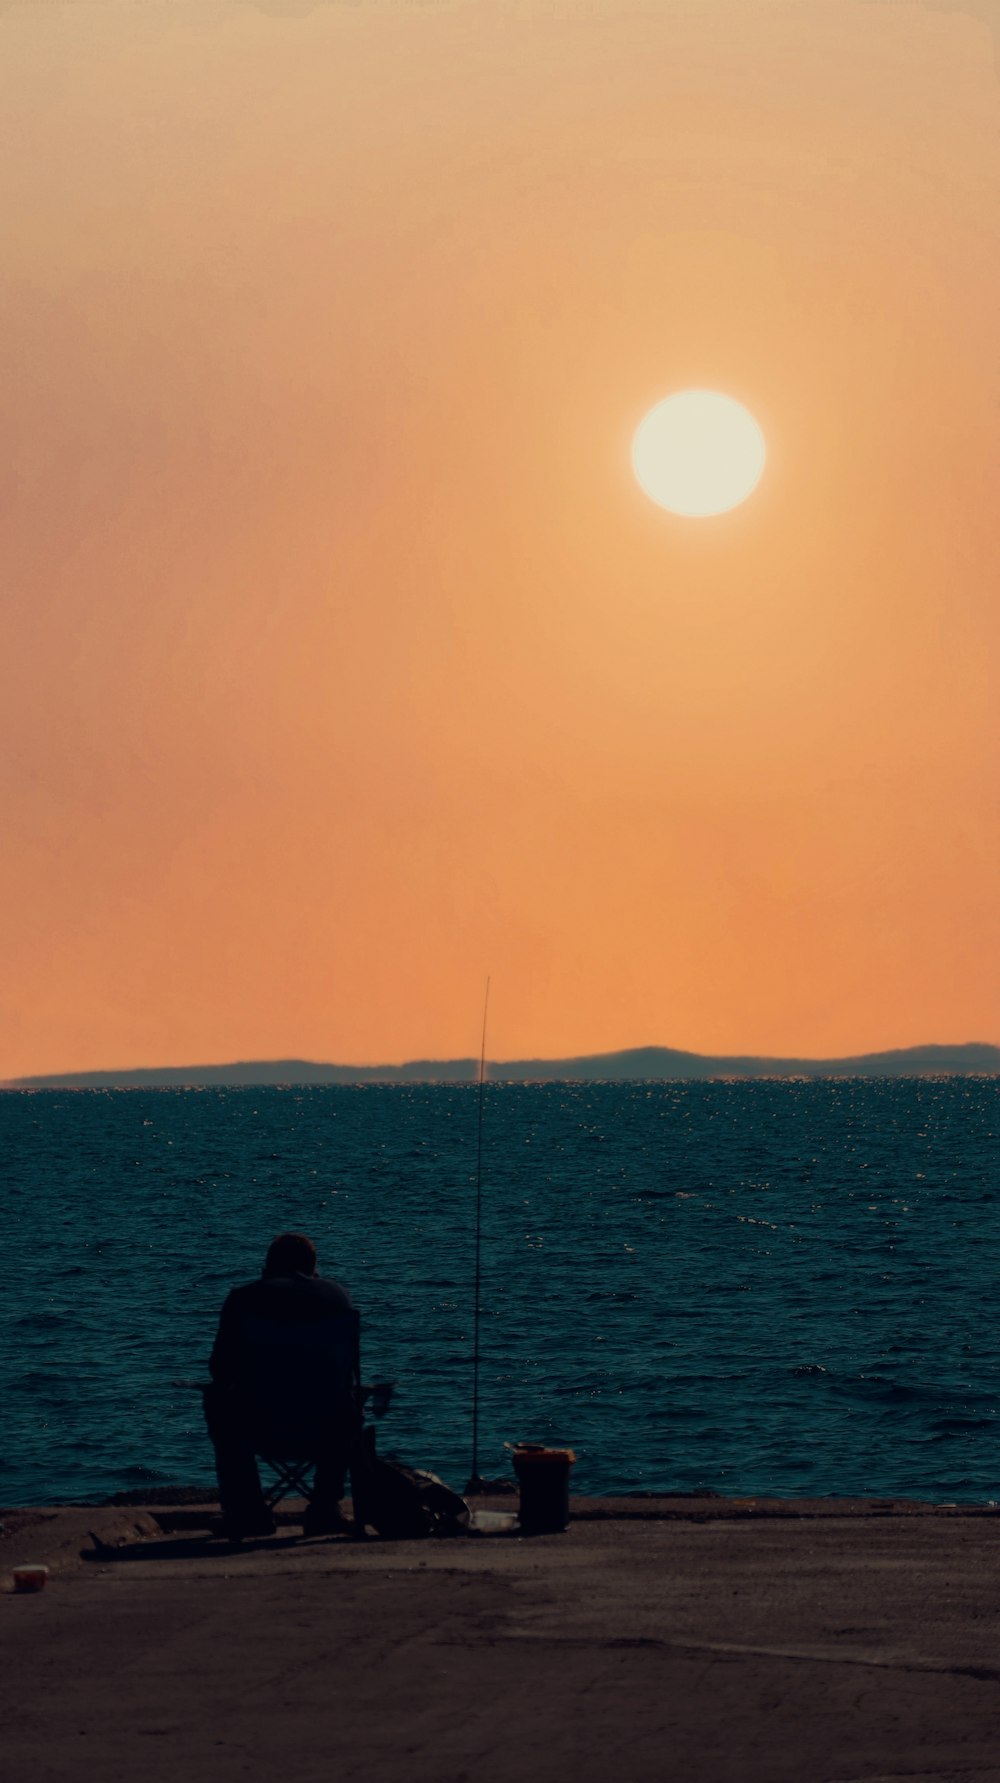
x=342, y=660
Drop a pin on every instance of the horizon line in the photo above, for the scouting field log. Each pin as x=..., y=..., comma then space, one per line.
x=929, y=1050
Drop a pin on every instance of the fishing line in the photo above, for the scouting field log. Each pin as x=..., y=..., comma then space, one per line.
x=475, y=1483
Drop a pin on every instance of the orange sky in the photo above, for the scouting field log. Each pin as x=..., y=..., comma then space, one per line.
x=342, y=660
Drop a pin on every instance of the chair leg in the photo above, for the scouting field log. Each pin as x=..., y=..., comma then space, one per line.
x=292, y=1479
x=356, y=1467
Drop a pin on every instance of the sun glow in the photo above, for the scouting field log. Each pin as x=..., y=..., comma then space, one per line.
x=698, y=452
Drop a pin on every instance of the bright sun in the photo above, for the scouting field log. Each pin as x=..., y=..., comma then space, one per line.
x=698, y=452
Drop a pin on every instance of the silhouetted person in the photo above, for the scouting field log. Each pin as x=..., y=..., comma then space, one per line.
x=276, y=1368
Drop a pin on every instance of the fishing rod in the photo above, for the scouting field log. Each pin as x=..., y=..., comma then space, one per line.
x=475, y=1483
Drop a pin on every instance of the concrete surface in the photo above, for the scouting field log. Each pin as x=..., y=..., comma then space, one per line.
x=709, y=1641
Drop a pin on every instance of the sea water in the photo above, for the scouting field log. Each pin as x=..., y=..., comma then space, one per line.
x=770, y=1287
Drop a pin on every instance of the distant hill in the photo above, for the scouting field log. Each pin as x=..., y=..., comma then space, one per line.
x=640, y=1064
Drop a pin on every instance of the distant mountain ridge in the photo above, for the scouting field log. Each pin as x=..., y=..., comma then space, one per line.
x=662, y=1064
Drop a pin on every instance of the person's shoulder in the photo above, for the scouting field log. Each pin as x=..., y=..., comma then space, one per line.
x=289, y=1296
x=243, y=1296
x=331, y=1293
x=241, y=1290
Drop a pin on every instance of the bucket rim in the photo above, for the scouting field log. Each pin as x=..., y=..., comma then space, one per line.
x=532, y=1453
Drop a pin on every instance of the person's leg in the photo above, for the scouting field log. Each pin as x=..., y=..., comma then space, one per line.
x=244, y=1507
x=323, y=1514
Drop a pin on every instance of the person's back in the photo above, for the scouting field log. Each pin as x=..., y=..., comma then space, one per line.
x=282, y=1368
x=280, y=1324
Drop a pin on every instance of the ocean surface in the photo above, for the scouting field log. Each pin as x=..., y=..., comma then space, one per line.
x=773, y=1287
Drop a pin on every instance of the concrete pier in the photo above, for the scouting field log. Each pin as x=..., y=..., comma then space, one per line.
x=711, y=1641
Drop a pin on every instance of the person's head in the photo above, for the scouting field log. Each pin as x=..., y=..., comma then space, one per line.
x=291, y=1253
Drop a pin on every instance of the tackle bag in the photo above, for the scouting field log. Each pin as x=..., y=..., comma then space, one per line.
x=404, y=1502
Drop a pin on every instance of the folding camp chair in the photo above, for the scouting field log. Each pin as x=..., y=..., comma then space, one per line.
x=304, y=1382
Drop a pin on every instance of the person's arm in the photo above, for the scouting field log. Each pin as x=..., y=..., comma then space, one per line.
x=224, y=1362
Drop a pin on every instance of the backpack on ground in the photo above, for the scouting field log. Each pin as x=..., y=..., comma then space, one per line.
x=405, y=1502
